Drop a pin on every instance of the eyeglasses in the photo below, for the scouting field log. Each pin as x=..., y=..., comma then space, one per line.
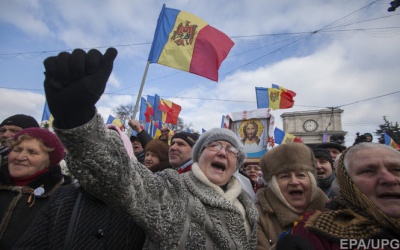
x=216, y=147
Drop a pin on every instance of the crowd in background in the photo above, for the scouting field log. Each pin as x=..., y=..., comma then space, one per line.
x=190, y=191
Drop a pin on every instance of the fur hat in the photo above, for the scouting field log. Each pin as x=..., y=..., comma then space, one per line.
x=49, y=139
x=287, y=157
x=190, y=138
x=20, y=120
x=332, y=145
x=219, y=134
x=322, y=153
x=159, y=148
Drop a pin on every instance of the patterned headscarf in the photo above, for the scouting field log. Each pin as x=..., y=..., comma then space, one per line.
x=359, y=218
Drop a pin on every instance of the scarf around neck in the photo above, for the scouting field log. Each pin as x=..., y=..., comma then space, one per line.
x=285, y=213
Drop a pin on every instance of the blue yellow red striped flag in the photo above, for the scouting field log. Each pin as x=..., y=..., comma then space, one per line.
x=186, y=42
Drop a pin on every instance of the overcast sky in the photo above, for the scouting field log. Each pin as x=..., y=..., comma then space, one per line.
x=342, y=53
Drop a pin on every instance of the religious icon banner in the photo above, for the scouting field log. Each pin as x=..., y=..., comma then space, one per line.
x=253, y=128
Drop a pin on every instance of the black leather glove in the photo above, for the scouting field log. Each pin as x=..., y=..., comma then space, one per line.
x=293, y=242
x=74, y=83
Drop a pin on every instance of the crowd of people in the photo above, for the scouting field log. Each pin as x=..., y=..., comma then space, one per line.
x=189, y=191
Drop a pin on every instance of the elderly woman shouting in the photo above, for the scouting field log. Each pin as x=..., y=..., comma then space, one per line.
x=292, y=190
x=201, y=209
x=27, y=182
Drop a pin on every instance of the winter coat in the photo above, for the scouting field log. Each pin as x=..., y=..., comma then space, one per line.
x=276, y=217
x=176, y=210
x=96, y=225
x=19, y=205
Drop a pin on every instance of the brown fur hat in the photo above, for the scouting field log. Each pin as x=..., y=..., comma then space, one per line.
x=287, y=157
x=159, y=148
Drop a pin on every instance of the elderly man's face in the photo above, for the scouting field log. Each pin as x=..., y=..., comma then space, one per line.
x=334, y=152
x=376, y=172
x=179, y=153
x=7, y=132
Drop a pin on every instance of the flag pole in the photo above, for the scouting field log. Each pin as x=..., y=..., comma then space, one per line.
x=135, y=110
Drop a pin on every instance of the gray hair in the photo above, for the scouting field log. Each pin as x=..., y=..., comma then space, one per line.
x=360, y=146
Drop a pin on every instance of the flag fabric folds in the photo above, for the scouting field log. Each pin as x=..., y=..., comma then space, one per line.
x=47, y=118
x=281, y=137
x=290, y=92
x=170, y=111
x=390, y=142
x=112, y=120
x=149, y=112
x=155, y=102
x=143, y=107
x=225, y=121
x=273, y=98
x=186, y=42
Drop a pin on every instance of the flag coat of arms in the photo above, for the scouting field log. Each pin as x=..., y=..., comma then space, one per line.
x=186, y=42
x=274, y=98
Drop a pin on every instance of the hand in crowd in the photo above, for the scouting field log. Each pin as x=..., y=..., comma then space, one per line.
x=74, y=83
x=135, y=125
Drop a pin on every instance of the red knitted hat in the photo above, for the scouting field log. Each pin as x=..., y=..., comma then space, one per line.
x=49, y=139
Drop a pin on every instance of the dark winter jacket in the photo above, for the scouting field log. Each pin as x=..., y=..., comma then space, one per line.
x=95, y=226
x=174, y=209
x=19, y=205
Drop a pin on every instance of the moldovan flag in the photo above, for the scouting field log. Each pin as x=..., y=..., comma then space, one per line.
x=390, y=142
x=112, y=120
x=186, y=42
x=46, y=116
x=170, y=111
x=281, y=137
x=149, y=112
x=290, y=92
x=143, y=107
x=273, y=98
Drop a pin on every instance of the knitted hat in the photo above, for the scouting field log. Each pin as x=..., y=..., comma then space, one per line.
x=124, y=138
x=322, y=153
x=190, y=138
x=22, y=121
x=159, y=148
x=219, y=134
x=287, y=157
x=49, y=139
x=332, y=145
